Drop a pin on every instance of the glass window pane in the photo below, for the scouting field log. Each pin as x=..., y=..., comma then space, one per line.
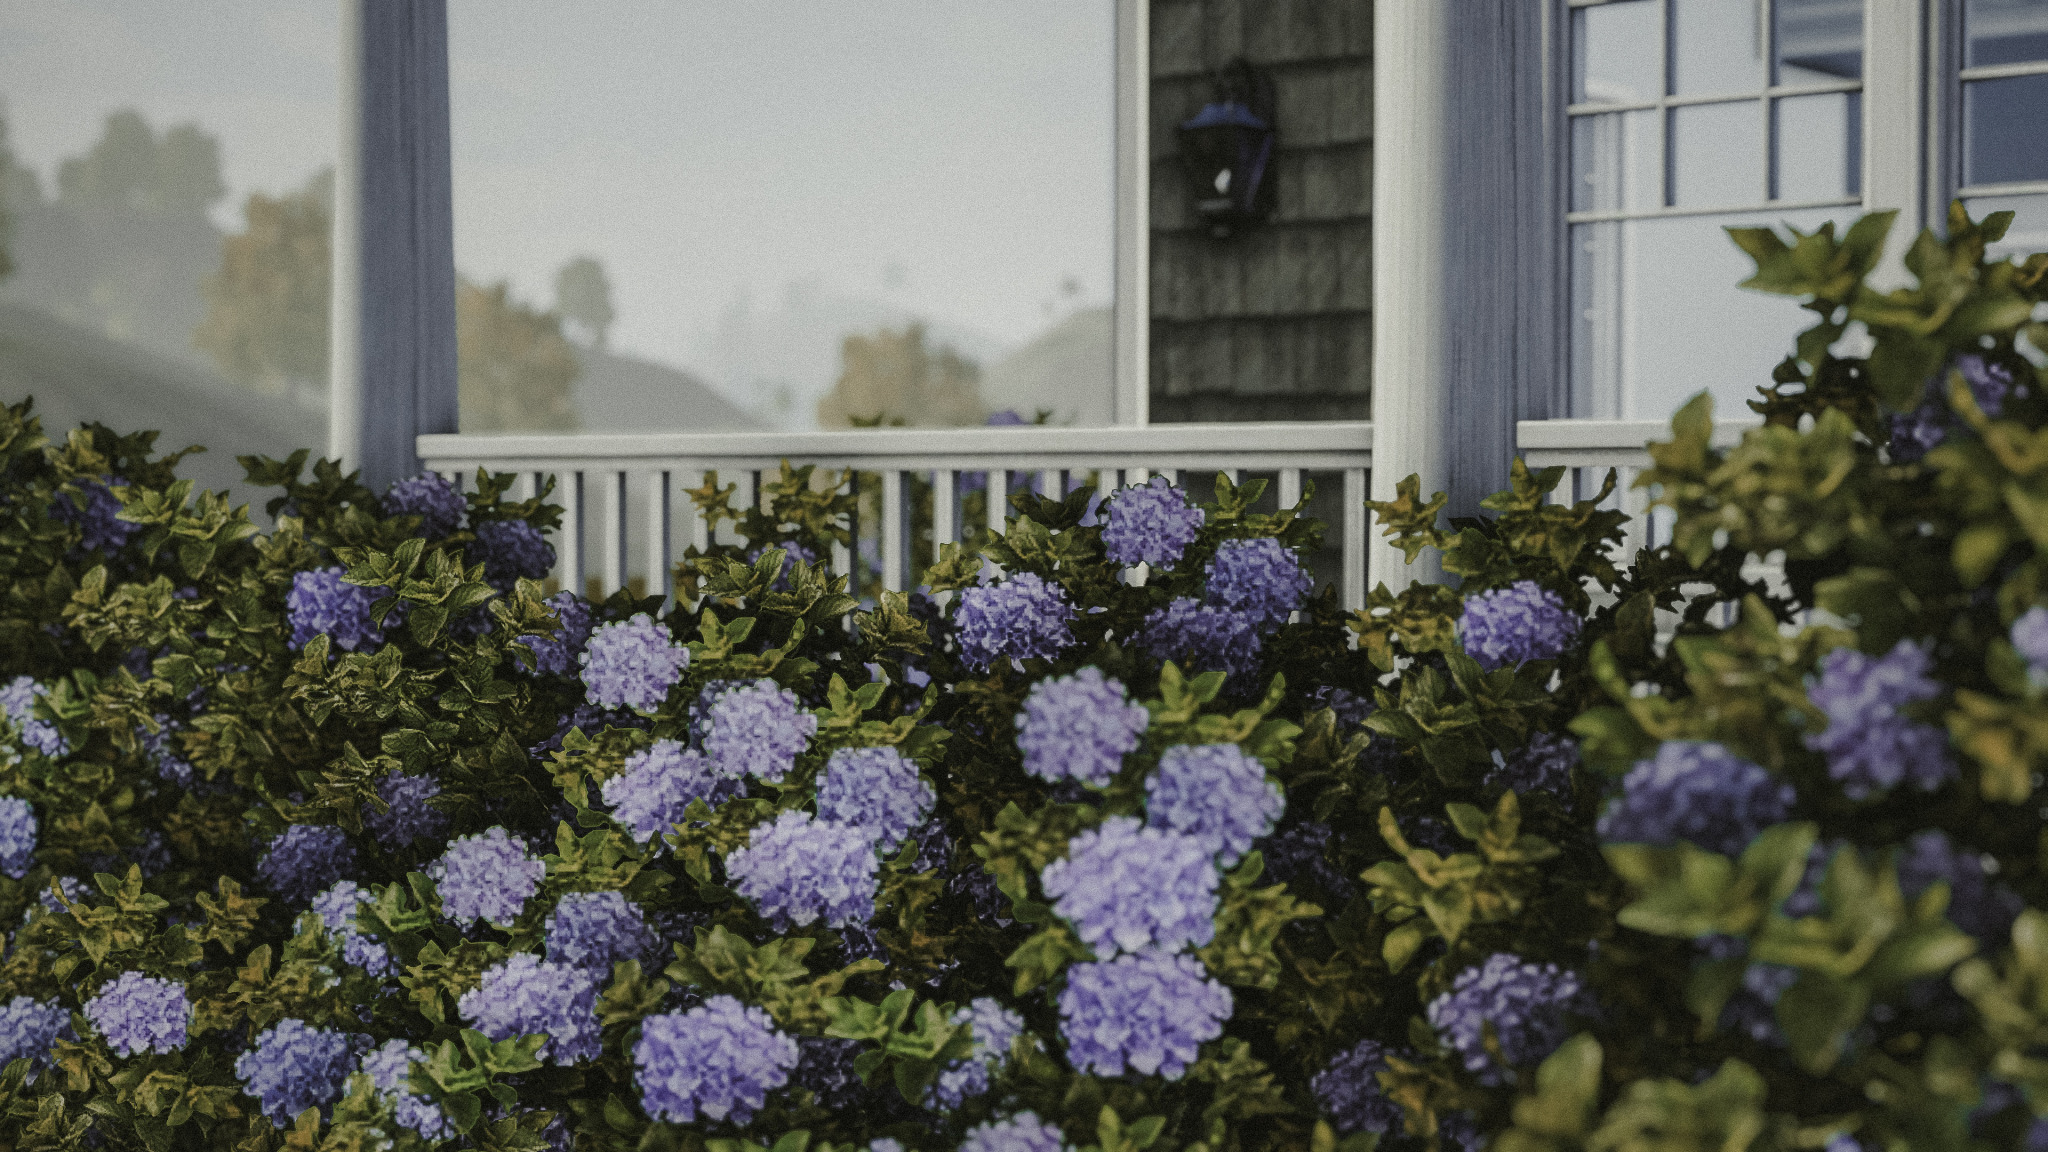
x=1719, y=47
x=2003, y=139
x=2004, y=31
x=1818, y=41
x=2028, y=232
x=1618, y=52
x=1717, y=154
x=1618, y=161
x=1819, y=141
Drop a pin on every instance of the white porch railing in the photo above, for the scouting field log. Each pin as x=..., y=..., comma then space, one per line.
x=1590, y=447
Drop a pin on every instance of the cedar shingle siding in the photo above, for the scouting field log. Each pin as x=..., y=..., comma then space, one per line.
x=1274, y=323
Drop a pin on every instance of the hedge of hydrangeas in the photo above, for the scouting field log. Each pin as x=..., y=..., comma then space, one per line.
x=1116, y=835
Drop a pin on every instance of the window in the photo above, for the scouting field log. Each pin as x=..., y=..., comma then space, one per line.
x=2002, y=85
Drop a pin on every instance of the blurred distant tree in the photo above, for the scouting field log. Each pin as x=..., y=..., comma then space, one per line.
x=6, y=186
x=133, y=171
x=515, y=365
x=583, y=296
x=893, y=377
x=266, y=320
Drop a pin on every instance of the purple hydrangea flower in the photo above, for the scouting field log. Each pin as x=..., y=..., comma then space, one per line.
x=1216, y=794
x=877, y=791
x=1024, y=1132
x=337, y=908
x=757, y=730
x=659, y=782
x=488, y=876
x=1529, y=1007
x=556, y=653
x=1699, y=792
x=1079, y=727
x=305, y=858
x=102, y=528
x=1152, y=524
x=1544, y=764
x=138, y=1013
x=1017, y=618
x=1134, y=889
x=322, y=603
x=632, y=664
x=1148, y=1014
x=1200, y=638
x=2030, y=639
x=1521, y=622
x=597, y=930
x=410, y=817
x=437, y=503
x=163, y=752
x=1297, y=855
x=17, y=836
x=995, y=1029
x=824, y=1066
x=799, y=869
x=1870, y=744
x=1350, y=707
x=1915, y=433
x=295, y=1066
x=1976, y=904
x=526, y=996
x=589, y=720
x=29, y=1028
x=793, y=552
x=1260, y=578
x=719, y=1059
x=1349, y=1091
x=18, y=704
x=511, y=550
x=74, y=891
x=390, y=1066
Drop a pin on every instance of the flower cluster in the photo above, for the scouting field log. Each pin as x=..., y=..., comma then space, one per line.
x=1521, y=622
x=659, y=782
x=2030, y=640
x=1216, y=794
x=1349, y=1091
x=511, y=550
x=170, y=767
x=597, y=930
x=995, y=1029
x=1698, y=792
x=524, y=995
x=1544, y=764
x=1020, y=617
x=138, y=1013
x=632, y=664
x=799, y=869
x=876, y=790
x=97, y=513
x=1150, y=524
x=305, y=858
x=1147, y=1014
x=1128, y=888
x=388, y=1066
x=322, y=603
x=409, y=817
x=488, y=876
x=17, y=836
x=18, y=704
x=1024, y=1132
x=757, y=730
x=719, y=1059
x=556, y=653
x=1529, y=1008
x=793, y=553
x=1079, y=727
x=296, y=1066
x=1260, y=578
x=1976, y=904
x=437, y=503
x=1871, y=745
x=29, y=1028
x=1201, y=638
x=337, y=908
x=1915, y=433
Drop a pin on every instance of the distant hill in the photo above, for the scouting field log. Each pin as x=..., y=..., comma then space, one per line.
x=617, y=393
x=1068, y=368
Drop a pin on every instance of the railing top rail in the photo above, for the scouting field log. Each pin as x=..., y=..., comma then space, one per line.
x=1567, y=435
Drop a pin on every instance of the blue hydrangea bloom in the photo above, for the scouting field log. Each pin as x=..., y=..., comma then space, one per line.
x=1914, y=433
x=1699, y=792
x=138, y=1013
x=102, y=528
x=799, y=869
x=824, y=1067
x=526, y=996
x=2030, y=639
x=1201, y=638
x=1216, y=794
x=29, y=1028
x=1976, y=904
x=556, y=653
x=18, y=702
x=163, y=752
x=719, y=1060
x=390, y=1066
x=1024, y=1132
x=337, y=909
x=597, y=930
x=296, y=1066
x=1544, y=764
x=632, y=664
x=1079, y=727
x=659, y=782
x=1020, y=617
x=1134, y=889
x=1529, y=1006
x=757, y=730
x=1148, y=1014
x=510, y=550
x=877, y=791
x=1521, y=622
x=1152, y=524
x=305, y=858
x=793, y=552
x=410, y=818
x=995, y=1029
x=17, y=836
x=74, y=891
x=1350, y=707
x=1260, y=578
x=1297, y=855
x=488, y=876
x=322, y=603
x=437, y=503
x=1349, y=1092
x=1870, y=744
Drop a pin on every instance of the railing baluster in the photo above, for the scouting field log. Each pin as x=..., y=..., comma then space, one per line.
x=998, y=500
x=945, y=528
x=612, y=532
x=1290, y=487
x=892, y=530
x=1353, y=592
x=698, y=535
x=659, y=582
x=571, y=489
x=1135, y=477
x=523, y=487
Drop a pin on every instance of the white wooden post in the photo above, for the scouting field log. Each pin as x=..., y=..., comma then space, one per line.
x=1895, y=127
x=1133, y=308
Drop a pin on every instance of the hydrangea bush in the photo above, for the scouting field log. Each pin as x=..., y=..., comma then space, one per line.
x=1117, y=834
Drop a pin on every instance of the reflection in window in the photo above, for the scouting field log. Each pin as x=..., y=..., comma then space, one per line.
x=2004, y=32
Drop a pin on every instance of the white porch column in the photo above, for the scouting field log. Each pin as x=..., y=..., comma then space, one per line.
x=1895, y=117
x=1132, y=374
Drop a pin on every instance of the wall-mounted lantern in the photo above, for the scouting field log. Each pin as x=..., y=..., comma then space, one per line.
x=1227, y=149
